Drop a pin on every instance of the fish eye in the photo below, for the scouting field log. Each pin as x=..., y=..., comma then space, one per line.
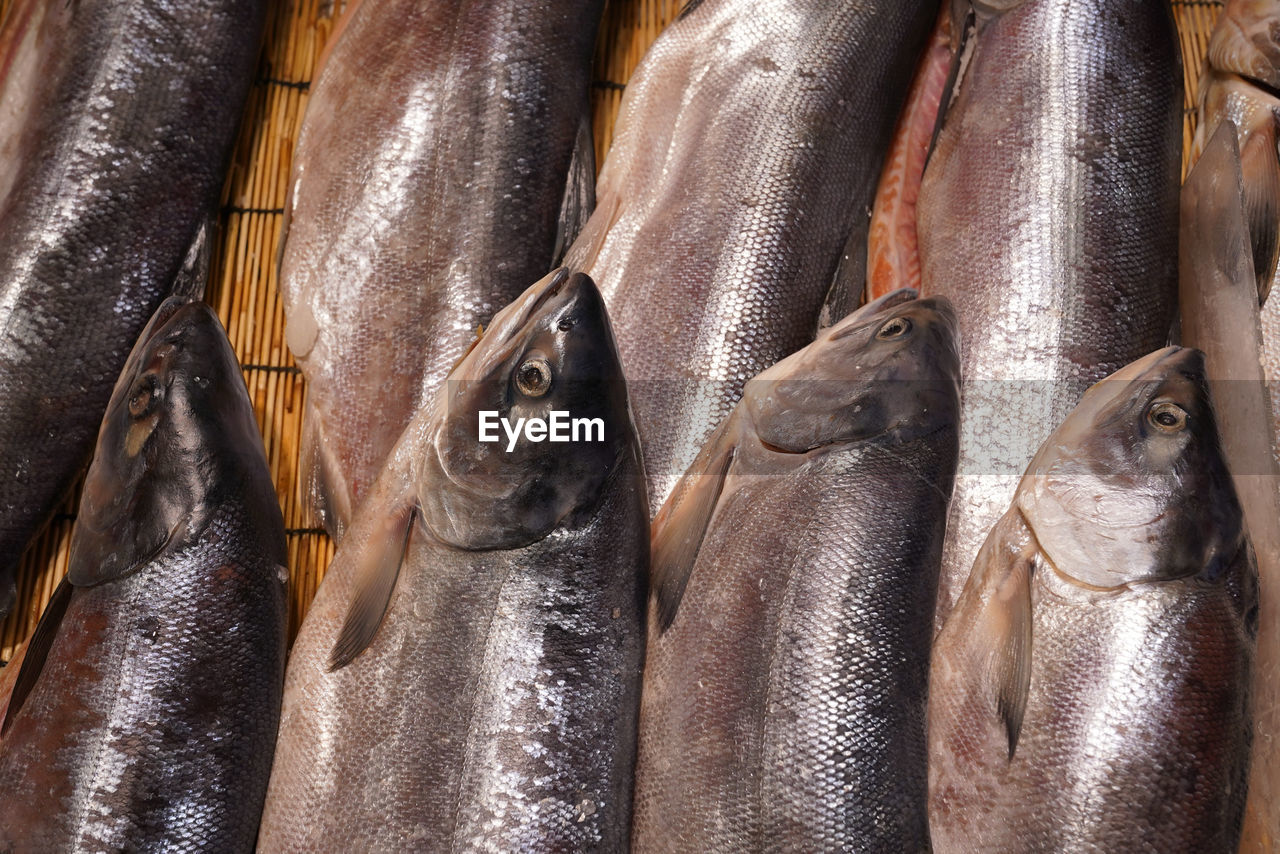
x=1167, y=417
x=895, y=327
x=142, y=395
x=534, y=377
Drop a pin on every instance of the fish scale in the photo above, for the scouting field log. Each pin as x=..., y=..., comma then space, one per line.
x=135, y=698
x=747, y=149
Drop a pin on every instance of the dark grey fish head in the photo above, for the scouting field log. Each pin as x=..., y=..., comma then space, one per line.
x=892, y=366
x=531, y=424
x=1133, y=486
x=178, y=439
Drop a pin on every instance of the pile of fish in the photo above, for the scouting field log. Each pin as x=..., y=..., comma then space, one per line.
x=883, y=464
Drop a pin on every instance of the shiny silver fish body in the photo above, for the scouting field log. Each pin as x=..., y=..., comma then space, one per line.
x=1090, y=690
x=426, y=194
x=158, y=668
x=490, y=702
x=747, y=149
x=784, y=704
x=1049, y=216
x=116, y=126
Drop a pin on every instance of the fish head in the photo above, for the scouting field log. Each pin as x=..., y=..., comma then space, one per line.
x=1133, y=486
x=178, y=439
x=891, y=366
x=551, y=351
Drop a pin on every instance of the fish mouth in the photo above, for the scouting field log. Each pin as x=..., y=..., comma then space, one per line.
x=165, y=315
x=1184, y=359
x=551, y=293
x=855, y=318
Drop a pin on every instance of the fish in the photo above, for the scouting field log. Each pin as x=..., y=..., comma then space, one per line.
x=1048, y=215
x=444, y=162
x=145, y=710
x=1220, y=315
x=468, y=677
x=1090, y=690
x=1241, y=83
x=117, y=121
x=794, y=573
x=747, y=149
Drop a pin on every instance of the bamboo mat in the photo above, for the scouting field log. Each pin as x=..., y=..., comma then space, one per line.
x=243, y=283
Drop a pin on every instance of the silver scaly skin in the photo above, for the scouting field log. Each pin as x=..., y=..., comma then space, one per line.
x=1048, y=216
x=152, y=686
x=747, y=150
x=117, y=119
x=795, y=572
x=1090, y=690
x=468, y=677
x=445, y=150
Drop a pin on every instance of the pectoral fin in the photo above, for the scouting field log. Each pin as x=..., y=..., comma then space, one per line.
x=379, y=567
x=1002, y=627
x=322, y=478
x=193, y=275
x=963, y=25
x=1260, y=165
x=579, y=191
x=688, y=8
x=681, y=524
x=38, y=651
x=848, y=285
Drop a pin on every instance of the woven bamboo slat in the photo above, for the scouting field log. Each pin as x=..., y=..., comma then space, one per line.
x=243, y=283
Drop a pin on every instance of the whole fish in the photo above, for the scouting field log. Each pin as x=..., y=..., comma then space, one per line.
x=1090, y=691
x=747, y=150
x=445, y=150
x=117, y=119
x=795, y=568
x=1048, y=215
x=145, y=712
x=469, y=675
